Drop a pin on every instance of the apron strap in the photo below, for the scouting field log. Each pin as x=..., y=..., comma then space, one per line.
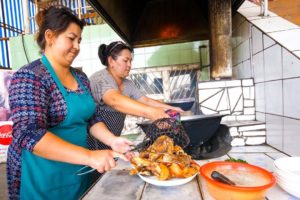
x=79, y=82
x=46, y=62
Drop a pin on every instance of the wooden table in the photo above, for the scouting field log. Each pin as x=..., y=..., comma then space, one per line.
x=117, y=184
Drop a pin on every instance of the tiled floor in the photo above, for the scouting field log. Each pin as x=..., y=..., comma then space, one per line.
x=262, y=156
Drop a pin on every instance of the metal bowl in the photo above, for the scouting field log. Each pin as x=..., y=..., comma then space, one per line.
x=184, y=104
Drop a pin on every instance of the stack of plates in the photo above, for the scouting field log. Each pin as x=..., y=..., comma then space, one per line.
x=287, y=172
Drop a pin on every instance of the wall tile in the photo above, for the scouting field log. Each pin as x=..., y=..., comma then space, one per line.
x=163, y=60
x=206, y=93
x=267, y=41
x=245, y=117
x=247, y=4
x=260, y=116
x=245, y=50
x=174, y=57
x=247, y=70
x=273, y=97
x=249, y=111
x=255, y=140
x=233, y=40
x=148, y=60
x=248, y=82
x=258, y=67
x=195, y=58
x=252, y=93
x=243, y=70
x=272, y=24
x=212, y=84
x=139, y=50
x=246, y=92
x=232, y=83
x=138, y=61
x=252, y=12
x=186, y=56
x=245, y=31
x=248, y=103
x=237, y=20
x=150, y=49
x=260, y=97
x=257, y=41
x=235, y=56
x=235, y=71
x=235, y=96
x=288, y=38
x=297, y=53
x=291, y=96
x=291, y=64
x=291, y=137
x=274, y=125
x=273, y=65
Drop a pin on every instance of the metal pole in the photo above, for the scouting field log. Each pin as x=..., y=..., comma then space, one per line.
x=266, y=2
x=26, y=16
x=264, y=7
x=79, y=9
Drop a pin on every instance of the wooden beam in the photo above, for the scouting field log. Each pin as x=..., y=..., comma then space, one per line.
x=4, y=38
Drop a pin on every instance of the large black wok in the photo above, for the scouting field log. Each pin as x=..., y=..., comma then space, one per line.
x=200, y=128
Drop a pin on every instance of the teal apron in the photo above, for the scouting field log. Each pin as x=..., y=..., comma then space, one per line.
x=46, y=179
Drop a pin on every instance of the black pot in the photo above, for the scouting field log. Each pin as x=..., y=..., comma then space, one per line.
x=200, y=128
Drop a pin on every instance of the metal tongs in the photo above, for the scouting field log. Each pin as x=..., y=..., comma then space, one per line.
x=142, y=145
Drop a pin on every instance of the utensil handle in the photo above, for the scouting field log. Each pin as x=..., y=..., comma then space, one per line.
x=221, y=178
x=83, y=170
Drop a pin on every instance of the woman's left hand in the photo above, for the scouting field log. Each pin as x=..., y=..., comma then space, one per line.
x=176, y=109
x=121, y=145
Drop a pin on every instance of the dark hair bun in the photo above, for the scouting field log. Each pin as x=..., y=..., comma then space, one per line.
x=40, y=18
x=102, y=54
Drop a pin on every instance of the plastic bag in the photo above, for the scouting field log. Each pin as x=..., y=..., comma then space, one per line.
x=218, y=145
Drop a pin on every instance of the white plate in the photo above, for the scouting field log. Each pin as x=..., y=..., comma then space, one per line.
x=172, y=182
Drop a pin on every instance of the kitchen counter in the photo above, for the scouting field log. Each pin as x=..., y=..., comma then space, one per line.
x=117, y=184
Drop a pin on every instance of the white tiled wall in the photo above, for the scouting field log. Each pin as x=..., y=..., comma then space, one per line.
x=291, y=98
x=275, y=67
x=291, y=136
x=274, y=125
x=273, y=97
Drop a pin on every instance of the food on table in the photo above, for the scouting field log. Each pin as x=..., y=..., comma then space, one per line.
x=236, y=160
x=164, y=160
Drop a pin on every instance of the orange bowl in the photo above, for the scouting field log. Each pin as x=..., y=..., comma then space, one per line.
x=251, y=181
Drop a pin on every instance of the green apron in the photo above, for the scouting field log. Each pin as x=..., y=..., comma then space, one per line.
x=46, y=179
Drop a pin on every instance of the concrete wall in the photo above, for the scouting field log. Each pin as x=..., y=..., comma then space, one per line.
x=267, y=49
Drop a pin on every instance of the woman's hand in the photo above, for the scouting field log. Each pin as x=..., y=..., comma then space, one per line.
x=121, y=145
x=103, y=160
x=178, y=109
x=158, y=113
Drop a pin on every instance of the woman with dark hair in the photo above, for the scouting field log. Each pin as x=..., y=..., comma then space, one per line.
x=52, y=111
x=116, y=95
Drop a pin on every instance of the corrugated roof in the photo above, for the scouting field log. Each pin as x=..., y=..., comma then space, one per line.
x=12, y=19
